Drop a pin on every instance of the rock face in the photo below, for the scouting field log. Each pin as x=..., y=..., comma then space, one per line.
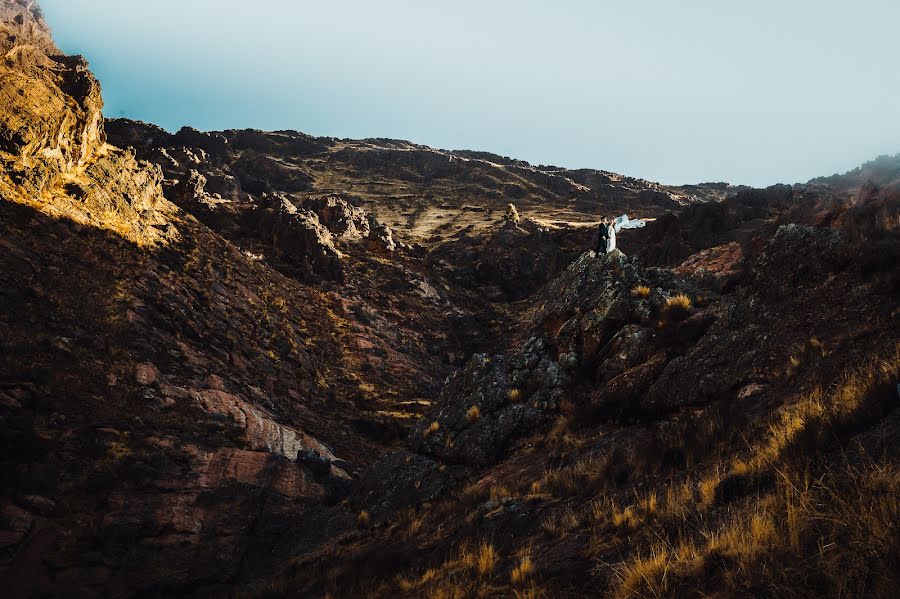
x=511, y=262
x=298, y=236
x=52, y=137
x=483, y=406
x=798, y=254
x=69, y=127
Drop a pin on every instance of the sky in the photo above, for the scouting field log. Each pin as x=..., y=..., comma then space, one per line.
x=673, y=91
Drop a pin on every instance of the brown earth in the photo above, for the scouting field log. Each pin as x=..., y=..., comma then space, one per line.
x=268, y=364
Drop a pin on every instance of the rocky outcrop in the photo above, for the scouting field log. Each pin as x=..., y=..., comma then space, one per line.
x=672, y=238
x=301, y=239
x=519, y=258
x=52, y=104
x=481, y=408
x=799, y=255
x=511, y=263
x=52, y=140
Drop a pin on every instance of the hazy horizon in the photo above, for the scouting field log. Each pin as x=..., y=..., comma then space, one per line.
x=684, y=93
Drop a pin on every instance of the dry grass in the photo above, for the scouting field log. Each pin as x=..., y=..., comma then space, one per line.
x=515, y=395
x=707, y=488
x=842, y=531
x=680, y=302
x=640, y=291
x=473, y=414
x=523, y=571
x=432, y=428
x=469, y=574
x=562, y=521
x=499, y=493
x=487, y=559
x=118, y=450
x=676, y=309
x=815, y=417
x=362, y=519
x=581, y=477
x=605, y=512
x=820, y=529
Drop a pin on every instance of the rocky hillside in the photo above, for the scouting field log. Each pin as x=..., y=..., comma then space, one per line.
x=268, y=364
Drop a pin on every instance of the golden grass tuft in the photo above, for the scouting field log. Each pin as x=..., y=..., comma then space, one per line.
x=432, y=428
x=707, y=488
x=523, y=571
x=467, y=558
x=678, y=302
x=487, y=559
x=515, y=395
x=560, y=522
x=362, y=519
x=645, y=571
x=676, y=309
x=640, y=291
x=117, y=450
x=473, y=414
x=499, y=493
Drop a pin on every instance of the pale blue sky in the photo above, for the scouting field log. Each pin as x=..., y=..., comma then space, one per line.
x=673, y=91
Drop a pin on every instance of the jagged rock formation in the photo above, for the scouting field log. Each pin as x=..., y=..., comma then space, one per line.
x=269, y=363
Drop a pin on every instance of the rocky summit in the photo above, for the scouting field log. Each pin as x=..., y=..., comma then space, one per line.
x=265, y=364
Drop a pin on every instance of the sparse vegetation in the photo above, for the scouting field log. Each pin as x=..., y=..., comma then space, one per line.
x=499, y=492
x=515, y=395
x=676, y=308
x=473, y=414
x=640, y=291
x=678, y=302
x=434, y=427
x=487, y=559
x=362, y=519
x=523, y=571
x=809, y=526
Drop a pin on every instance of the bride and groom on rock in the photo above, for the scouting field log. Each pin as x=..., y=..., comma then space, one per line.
x=605, y=236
